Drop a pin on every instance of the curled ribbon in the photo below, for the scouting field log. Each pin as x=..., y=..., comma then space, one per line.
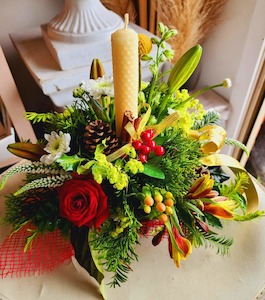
x=235, y=166
x=211, y=137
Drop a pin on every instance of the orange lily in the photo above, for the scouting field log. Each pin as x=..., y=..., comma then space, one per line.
x=202, y=188
x=221, y=207
x=179, y=248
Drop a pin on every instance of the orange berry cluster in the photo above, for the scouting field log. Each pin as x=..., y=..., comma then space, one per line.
x=162, y=203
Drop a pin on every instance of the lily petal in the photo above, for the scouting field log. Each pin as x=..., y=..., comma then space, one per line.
x=222, y=208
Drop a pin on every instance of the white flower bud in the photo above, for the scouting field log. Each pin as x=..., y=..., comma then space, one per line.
x=227, y=83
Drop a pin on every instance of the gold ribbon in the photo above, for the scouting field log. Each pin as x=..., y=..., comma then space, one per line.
x=212, y=138
x=235, y=166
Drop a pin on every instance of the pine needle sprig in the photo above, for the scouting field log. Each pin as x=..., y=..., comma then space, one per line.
x=179, y=162
x=212, y=240
x=210, y=118
x=117, y=252
x=72, y=120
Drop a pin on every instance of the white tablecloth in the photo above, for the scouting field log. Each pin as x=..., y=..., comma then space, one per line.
x=205, y=275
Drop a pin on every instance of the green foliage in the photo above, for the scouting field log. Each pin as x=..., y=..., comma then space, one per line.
x=70, y=163
x=34, y=117
x=214, y=240
x=150, y=169
x=235, y=188
x=210, y=118
x=39, y=207
x=73, y=120
x=79, y=240
x=218, y=174
x=178, y=164
x=117, y=252
x=250, y=216
x=213, y=221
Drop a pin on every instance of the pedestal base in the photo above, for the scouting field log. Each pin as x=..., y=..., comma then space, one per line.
x=56, y=83
x=75, y=55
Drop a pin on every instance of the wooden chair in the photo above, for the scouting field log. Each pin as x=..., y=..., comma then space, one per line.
x=15, y=110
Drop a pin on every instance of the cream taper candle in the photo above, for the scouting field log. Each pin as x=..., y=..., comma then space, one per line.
x=125, y=72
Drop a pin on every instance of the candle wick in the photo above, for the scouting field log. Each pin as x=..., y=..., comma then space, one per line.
x=126, y=20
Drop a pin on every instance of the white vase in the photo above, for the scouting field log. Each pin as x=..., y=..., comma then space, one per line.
x=83, y=21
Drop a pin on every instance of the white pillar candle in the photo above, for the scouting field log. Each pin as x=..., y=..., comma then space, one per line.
x=125, y=72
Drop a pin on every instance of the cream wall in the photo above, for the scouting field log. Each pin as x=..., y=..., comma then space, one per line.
x=16, y=15
x=234, y=50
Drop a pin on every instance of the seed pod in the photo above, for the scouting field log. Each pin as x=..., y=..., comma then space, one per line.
x=97, y=69
x=29, y=151
x=158, y=237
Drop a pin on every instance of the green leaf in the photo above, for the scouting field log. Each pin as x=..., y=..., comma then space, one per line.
x=213, y=221
x=153, y=171
x=218, y=174
x=79, y=239
x=69, y=163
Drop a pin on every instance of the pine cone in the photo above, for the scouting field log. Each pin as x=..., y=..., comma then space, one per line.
x=98, y=131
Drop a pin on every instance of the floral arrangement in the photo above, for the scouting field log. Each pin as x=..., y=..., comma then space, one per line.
x=160, y=177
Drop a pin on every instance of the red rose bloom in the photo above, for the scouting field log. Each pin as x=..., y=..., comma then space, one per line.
x=83, y=202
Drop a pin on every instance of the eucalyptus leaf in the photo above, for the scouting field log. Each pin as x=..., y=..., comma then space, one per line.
x=153, y=171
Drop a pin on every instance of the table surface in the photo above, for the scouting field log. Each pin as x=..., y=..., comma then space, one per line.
x=204, y=275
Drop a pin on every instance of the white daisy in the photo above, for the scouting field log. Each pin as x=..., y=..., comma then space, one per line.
x=98, y=87
x=57, y=145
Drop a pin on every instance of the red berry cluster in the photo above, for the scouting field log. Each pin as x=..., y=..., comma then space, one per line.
x=146, y=145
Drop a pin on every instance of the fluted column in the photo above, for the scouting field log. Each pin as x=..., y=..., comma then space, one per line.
x=83, y=21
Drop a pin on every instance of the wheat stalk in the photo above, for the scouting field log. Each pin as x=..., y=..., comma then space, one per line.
x=194, y=20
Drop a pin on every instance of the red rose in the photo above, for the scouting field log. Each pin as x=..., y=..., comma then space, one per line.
x=83, y=202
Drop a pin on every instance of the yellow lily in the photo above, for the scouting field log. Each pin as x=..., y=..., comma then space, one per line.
x=202, y=188
x=179, y=248
x=221, y=207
